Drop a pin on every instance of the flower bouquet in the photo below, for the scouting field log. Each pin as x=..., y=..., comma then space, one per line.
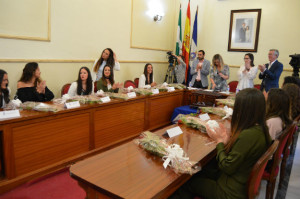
x=143, y=91
x=87, y=99
x=172, y=155
x=228, y=102
x=37, y=106
x=222, y=112
x=123, y=96
x=177, y=86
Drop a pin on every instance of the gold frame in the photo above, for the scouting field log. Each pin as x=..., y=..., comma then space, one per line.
x=48, y=39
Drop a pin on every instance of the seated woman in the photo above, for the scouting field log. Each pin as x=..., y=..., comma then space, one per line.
x=84, y=84
x=107, y=82
x=4, y=91
x=293, y=92
x=237, y=152
x=247, y=72
x=278, y=107
x=108, y=57
x=30, y=87
x=147, y=79
x=219, y=74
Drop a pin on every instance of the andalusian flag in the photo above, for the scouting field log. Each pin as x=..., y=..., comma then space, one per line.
x=193, y=52
x=179, y=36
x=186, y=40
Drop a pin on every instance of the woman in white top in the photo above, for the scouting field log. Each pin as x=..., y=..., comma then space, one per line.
x=4, y=91
x=277, y=114
x=84, y=84
x=247, y=72
x=247, y=33
x=108, y=57
x=147, y=79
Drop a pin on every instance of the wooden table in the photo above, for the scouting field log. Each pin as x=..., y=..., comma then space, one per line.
x=205, y=97
x=38, y=143
x=128, y=171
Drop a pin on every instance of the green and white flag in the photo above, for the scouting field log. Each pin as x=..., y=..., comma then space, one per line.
x=179, y=36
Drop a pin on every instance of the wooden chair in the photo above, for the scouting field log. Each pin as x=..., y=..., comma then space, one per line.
x=95, y=87
x=258, y=170
x=128, y=83
x=136, y=81
x=257, y=86
x=286, y=153
x=270, y=174
x=232, y=86
x=297, y=119
x=65, y=89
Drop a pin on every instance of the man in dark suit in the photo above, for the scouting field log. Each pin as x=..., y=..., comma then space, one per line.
x=270, y=72
x=242, y=33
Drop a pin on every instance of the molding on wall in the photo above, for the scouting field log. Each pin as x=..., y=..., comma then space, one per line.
x=47, y=39
x=71, y=61
x=284, y=69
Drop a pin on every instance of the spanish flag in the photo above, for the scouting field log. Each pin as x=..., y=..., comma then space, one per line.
x=186, y=40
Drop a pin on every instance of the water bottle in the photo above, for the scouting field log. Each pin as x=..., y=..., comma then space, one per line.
x=228, y=89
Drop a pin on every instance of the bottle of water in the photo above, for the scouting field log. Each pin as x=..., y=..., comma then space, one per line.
x=228, y=89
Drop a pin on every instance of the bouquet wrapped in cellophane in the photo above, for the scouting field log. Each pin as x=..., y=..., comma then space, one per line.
x=85, y=99
x=177, y=86
x=123, y=96
x=224, y=112
x=38, y=106
x=143, y=91
x=172, y=155
x=228, y=101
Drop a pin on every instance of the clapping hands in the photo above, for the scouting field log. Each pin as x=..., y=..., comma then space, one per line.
x=40, y=88
x=220, y=134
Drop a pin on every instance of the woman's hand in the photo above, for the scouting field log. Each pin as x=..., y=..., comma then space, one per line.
x=153, y=84
x=40, y=87
x=218, y=134
x=213, y=86
x=115, y=57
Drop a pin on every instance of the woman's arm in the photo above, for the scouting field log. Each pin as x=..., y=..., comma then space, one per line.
x=73, y=89
x=142, y=81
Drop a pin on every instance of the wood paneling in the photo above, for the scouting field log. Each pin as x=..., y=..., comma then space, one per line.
x=118, y=122
x=44, y=143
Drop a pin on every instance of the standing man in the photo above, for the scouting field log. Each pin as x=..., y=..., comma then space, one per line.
x=199, y=71
x=270, y=72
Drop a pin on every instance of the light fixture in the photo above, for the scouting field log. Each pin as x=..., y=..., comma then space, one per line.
x=157, y=18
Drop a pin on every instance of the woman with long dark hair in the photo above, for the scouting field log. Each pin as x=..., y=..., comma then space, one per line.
x=237, y=151
x=107, y=82
x=4, y=91
x=247, y=72
x=147, y=78
x=219, y=74
x=30, y=87
x=278, y=108
x=293, y=92
x=84, y=84
x=108, y=57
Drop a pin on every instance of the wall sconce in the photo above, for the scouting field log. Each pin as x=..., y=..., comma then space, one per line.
x=157, y=18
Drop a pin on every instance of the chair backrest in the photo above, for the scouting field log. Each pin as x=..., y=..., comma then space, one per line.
x=65, y=89
x=136, y=81
x=290, y=139
x=95, y=87
x=257, y=86
x=232, y=86
x=128, y=83
x=258, y=170
x=297, y=119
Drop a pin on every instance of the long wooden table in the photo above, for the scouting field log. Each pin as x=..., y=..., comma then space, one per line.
x=38, y=143
x=128, y=171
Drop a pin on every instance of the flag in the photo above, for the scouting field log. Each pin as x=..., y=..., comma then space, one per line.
x=193, y=51
x=186, y=40
x=179, y=36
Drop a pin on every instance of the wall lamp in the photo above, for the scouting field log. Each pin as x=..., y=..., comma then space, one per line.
x=157, y=18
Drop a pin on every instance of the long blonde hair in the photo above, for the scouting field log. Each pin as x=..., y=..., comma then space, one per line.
x=218, y=57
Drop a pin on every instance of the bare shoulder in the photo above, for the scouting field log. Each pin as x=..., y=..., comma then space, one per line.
x=23, y=84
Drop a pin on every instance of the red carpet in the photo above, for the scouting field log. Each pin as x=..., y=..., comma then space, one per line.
x=54, y=186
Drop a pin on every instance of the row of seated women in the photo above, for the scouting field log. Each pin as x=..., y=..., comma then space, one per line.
x=256, y=121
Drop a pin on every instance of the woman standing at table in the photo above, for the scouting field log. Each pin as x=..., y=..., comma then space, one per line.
x=107, y=82
x=219, y=74
x=147, y=79
x=108, y=57
x=247, y=72
x=4, y=91
x=278, y=108
x=31, y=87
x=237, y=152
x=84, y=84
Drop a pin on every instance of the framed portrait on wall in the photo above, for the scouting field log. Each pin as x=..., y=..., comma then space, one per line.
x=244, y=30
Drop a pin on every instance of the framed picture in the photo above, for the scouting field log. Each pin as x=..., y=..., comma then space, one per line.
x=244, y=30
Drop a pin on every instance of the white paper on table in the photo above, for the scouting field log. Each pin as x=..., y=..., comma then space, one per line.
x=70, y=105
x=204, y=117
x=9, y=114
x=174, y=131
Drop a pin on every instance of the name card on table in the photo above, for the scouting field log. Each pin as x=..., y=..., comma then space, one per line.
x=155, y=91
x=170, y=89
x=131, y=94
x=105, y=99
x=174, y=131
x=9, y=114
x=204, y=117
x=70, y=105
